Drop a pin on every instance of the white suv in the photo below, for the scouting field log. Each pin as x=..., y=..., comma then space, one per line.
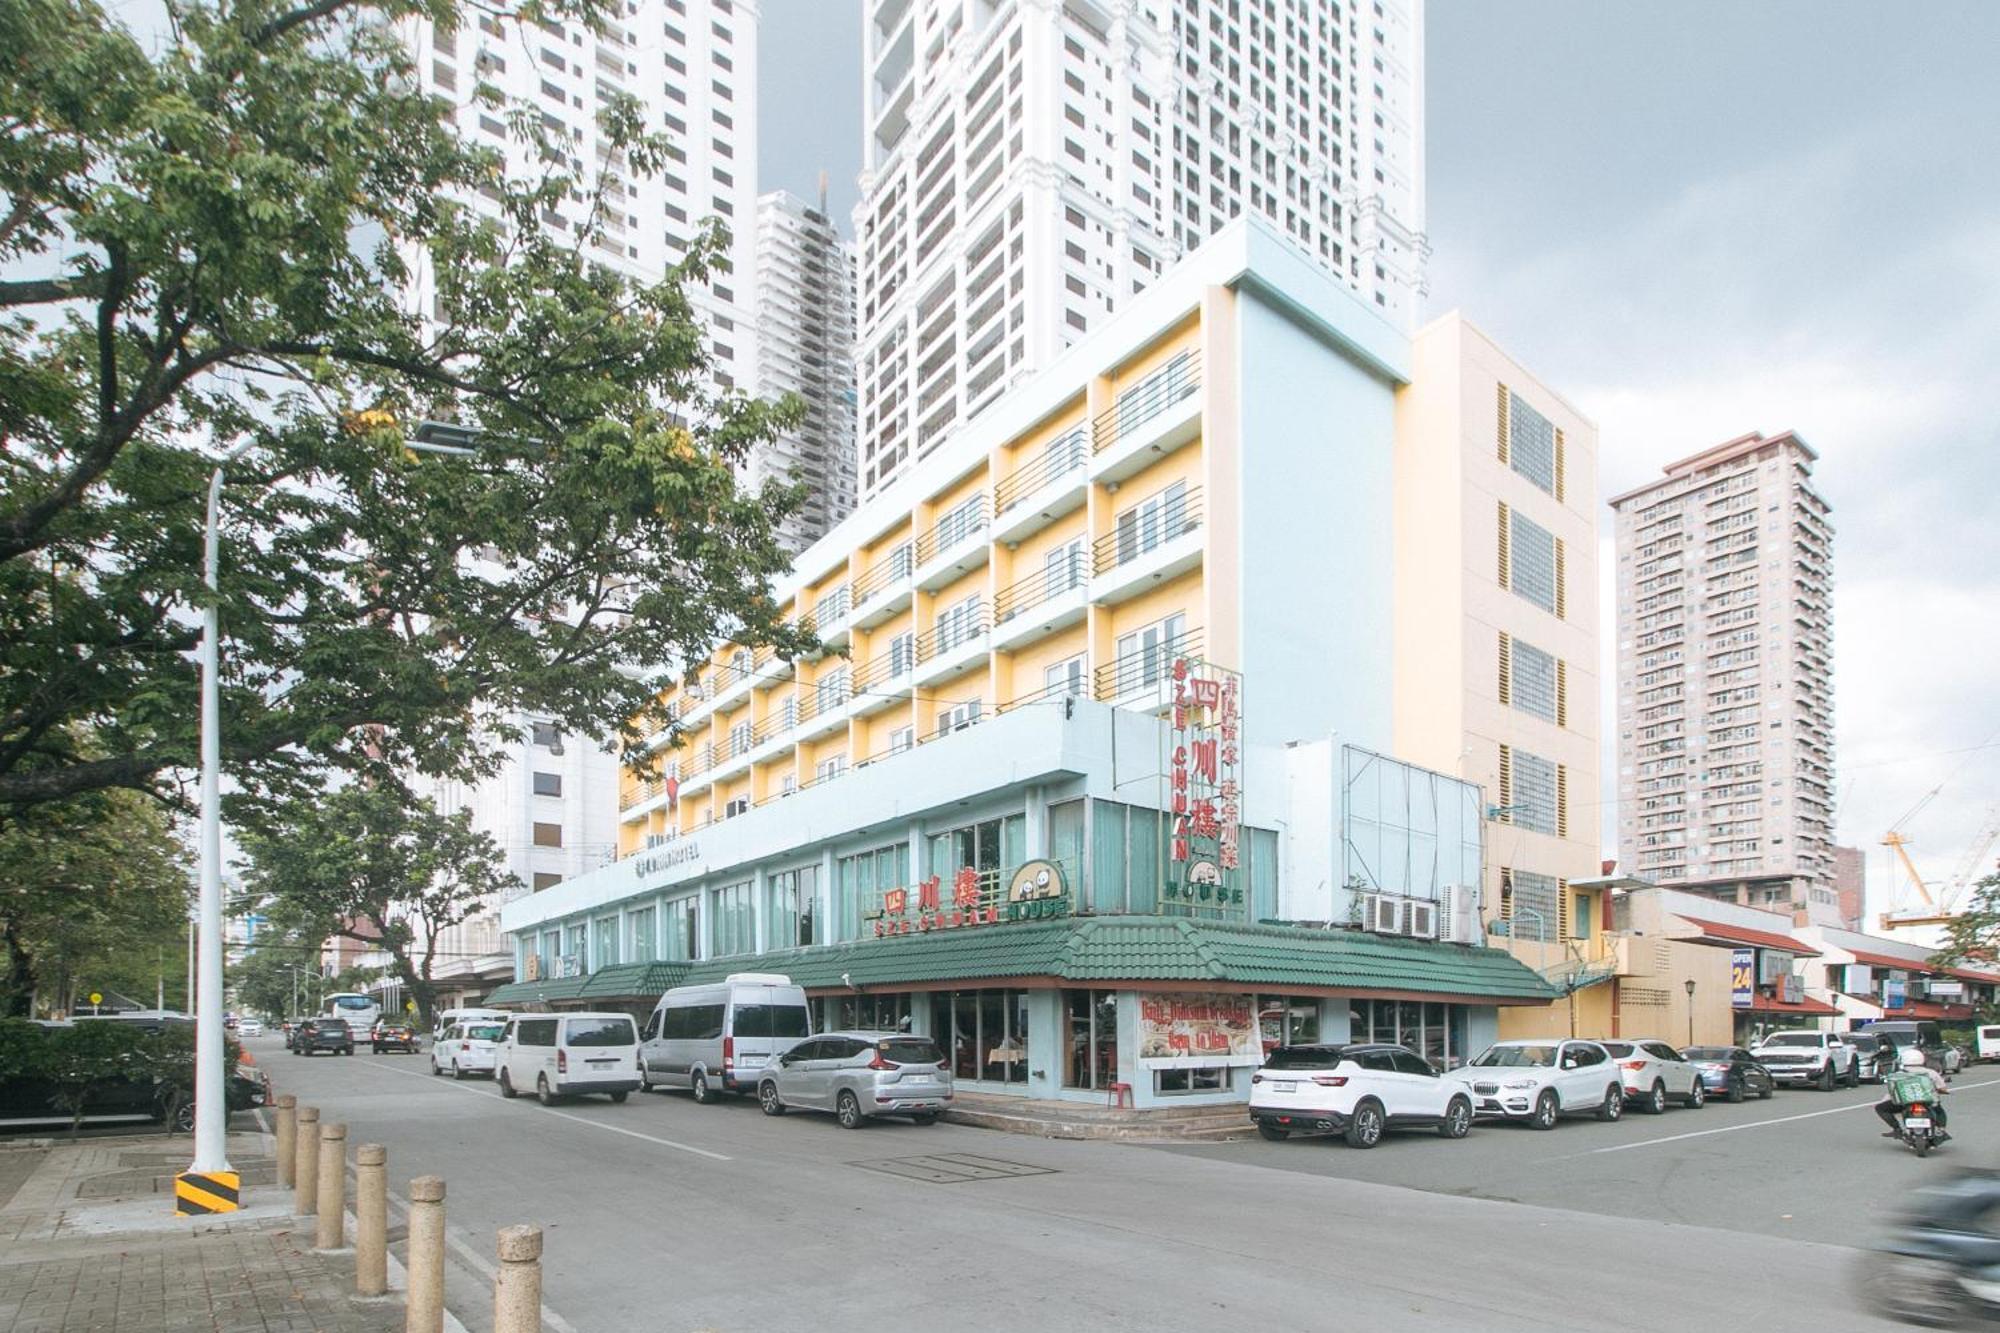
x=1357, y=1091
x=1539, y=1080
x=1809, y=1059
x=1654, y=1074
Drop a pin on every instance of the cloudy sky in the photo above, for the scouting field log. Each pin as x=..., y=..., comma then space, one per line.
x=1697, y=220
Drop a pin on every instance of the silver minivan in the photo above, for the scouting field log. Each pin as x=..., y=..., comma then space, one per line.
x=718, y=1038
x=859, y=1075
x=563, y=1055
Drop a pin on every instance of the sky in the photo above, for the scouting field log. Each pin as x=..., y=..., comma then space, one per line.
x=1694, y=221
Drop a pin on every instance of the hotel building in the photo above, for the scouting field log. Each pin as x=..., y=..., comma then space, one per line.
x=1203, y=490
x=1725, y=678
x=1028, y=166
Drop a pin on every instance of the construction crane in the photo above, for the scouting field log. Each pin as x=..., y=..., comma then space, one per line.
x=1945, y=905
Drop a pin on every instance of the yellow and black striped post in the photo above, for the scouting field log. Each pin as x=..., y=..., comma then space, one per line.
x=200, y=1192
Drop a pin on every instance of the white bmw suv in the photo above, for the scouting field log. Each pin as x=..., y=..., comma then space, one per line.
x=1539, y=1080
x=1354, y=1090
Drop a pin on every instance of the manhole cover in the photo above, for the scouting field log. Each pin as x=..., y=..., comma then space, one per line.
x=953, y=1168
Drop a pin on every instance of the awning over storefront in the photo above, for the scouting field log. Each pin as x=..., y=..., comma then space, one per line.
x=1807, y=1008
x=1724, y=933
x=1894, y=963
x=1928, y=1009
x=538, y=992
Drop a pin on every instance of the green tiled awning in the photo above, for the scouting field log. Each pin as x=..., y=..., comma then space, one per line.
x=629, y=979
x=537, y=992
x=1154, y=948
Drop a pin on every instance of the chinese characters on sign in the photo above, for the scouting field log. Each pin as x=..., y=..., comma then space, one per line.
x=1035, y=890
x=1197, y=1029
x=1205, y=793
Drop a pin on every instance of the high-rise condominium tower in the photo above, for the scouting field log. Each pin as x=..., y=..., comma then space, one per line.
x=1725, y=678
x=805, y=346
x=1030, y=165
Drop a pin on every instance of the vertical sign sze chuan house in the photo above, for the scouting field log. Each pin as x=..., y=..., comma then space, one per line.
x=1205, y=794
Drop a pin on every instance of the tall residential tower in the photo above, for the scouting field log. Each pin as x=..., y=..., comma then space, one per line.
x=1029, y=165
x=1725, y=678
x=805, y=346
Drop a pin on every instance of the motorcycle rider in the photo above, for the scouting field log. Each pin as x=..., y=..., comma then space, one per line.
x=1915, y=1084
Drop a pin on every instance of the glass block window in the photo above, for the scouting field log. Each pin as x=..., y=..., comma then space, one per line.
x=1534, y=793
x=1535, y=905
x=1531, y=560
x=1531, y=443
x=1533, y=687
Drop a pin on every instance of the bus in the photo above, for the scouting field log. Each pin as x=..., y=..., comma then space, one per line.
x=360, y=1011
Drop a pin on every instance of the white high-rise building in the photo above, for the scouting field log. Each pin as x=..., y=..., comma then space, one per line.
x=692, y=64
x=1725, y=679
x=1028, y=165
x=805, y=346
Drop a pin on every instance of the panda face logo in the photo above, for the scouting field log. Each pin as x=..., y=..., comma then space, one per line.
x=1034, y=881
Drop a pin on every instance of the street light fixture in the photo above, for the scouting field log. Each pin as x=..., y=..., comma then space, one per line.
x=1690, y=991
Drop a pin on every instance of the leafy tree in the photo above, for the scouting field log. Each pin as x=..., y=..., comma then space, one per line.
x=215, y=248
x=373, y=862
x=92, y=890
x=1974, y=933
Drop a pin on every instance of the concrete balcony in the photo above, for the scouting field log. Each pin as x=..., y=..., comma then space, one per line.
x=1150, y=420
x=957, y=544
x=886, y=588
x=1040, y=492
x=953, y=649
x=1040, y=605
x=1148, y=551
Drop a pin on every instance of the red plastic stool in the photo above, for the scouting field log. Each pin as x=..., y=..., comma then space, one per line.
x=1119, y=1094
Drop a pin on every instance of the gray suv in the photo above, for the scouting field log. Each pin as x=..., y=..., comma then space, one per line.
x=857, y=1075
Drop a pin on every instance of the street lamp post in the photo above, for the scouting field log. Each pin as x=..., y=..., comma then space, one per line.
x=1690, y=991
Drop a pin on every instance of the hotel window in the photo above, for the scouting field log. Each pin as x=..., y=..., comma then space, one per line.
x=739, y=805
x=902, y=654
x=901, y=739
x=1090, y=1052
x=739, y=738
x=1158, y=518
x=604, y=949
x=1064, y=679
x=958, y=624
x=1062, y=568
x=1531, y=560
x=546, y=736
x=548, y=784
x=957, y=717
x=791, y=907
x=1145, y=654
x=828, y=769
x=644, y=947
x=546, y=879
x=833, y=691
x=548, y=835
x=858, y=882
x=679, y=944
x=732, y=921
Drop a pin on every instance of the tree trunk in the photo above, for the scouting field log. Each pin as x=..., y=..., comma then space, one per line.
x=17, y=997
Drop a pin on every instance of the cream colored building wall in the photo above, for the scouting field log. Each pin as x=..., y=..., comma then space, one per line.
x=1451, y=608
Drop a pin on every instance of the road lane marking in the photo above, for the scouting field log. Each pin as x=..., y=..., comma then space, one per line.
x=1756, y=1124
x=456, y=1086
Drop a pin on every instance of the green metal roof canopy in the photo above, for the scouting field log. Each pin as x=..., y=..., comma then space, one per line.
x=1153, y=948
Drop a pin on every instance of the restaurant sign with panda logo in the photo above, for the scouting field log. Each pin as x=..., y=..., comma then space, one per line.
x=1205, y=787
x=1034, y=892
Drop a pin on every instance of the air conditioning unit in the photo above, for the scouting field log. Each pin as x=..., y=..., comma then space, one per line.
x=1420, y=920
x=1458, y=909
x=1382, y=914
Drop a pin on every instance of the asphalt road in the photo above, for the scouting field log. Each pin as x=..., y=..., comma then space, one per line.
x=662, y=1214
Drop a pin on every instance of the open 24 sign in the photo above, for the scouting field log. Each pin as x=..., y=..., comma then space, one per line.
x=1742, y=978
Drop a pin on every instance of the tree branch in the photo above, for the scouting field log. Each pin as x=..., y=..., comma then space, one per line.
x=41, y=291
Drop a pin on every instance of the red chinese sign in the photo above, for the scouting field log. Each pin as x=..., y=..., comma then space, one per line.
x=1205, y=793
x=1036, y=890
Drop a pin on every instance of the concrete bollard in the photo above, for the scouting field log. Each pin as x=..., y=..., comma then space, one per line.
x=423, y=1307
x=306, y=1171
x=371, y=1219
x=288, y=1139
x=517, y=1288
x=332, y=1201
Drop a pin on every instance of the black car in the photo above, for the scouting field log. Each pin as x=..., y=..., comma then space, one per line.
x=1730, y=1072
x=323, y=1034
x=392, y=1034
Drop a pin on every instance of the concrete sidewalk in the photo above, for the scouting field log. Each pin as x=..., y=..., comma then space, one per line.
x=89, y=1241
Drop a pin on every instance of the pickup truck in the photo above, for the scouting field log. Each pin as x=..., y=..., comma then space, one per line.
x=1809, y=1059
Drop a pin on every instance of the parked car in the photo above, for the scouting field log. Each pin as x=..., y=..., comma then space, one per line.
x=249, y=1027
x=468, y=1048
x=448, y=1019
x=1539, y=1080
x=859, y=1076
x=1918, y=1042
x=566, y=1055
x=1954, y=1058
x=1808, y=1058
x=393, y=1034
x=1655, y=1074
x=1872, y=1056
x=1356, y=1091
x=323, y=1034
x=719, y=1038
x=1988, y=1038
x=1730, y=1072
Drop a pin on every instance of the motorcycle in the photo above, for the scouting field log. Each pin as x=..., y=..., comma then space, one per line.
x=1940, y=1263
x=1916, y=1127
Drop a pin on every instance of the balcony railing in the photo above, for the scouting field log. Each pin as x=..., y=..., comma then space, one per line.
x=1059, y=457
x=824, y=697
x=1147, y=399
x=884, y=667
x=960, y=629
x=960, y=524
x=899, y=564
x=1048, y=582
x=1144, y=530
x=1145, y=668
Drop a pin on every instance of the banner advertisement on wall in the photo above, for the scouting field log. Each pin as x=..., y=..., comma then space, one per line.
x=1197, y=1029
x=1743, y=978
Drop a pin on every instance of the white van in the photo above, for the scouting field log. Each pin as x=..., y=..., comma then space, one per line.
x=564, y=1055
x=1989, y=1042
x=447, y=1019
x=718, y=1038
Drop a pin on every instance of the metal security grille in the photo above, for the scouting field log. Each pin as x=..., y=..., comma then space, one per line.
x=1531, y=443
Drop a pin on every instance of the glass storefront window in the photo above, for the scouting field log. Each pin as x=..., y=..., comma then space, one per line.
x=733, y=924
x=680, y=938
x=644, y=947
x=887, y=1012
x=1434, y=1031
x=1287, y=1020
x=791, y=904
x=858, y=882
x=1090, y=1026
x=1212, y=1078
x=985, y=1032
